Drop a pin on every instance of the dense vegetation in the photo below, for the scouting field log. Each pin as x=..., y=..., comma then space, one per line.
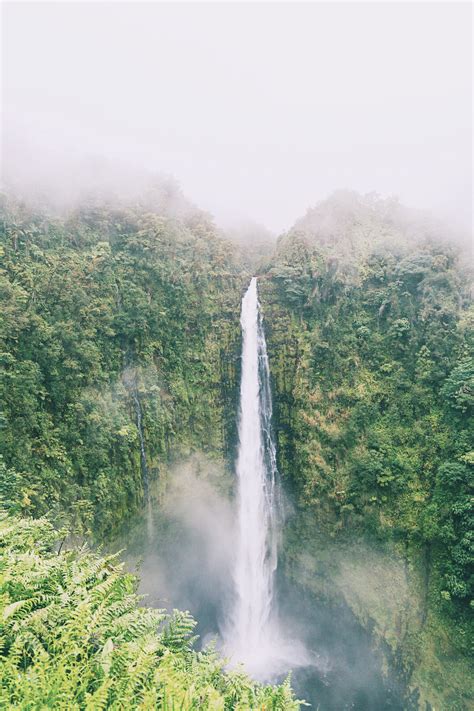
x=74, y=636
x=119, y=345
x=116, y=324
x=370, y=333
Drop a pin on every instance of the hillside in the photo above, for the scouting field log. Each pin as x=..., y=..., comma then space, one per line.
x=370, y=334
x=119, y=341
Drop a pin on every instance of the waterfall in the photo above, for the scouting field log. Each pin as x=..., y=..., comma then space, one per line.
x=250, y=631
x=143, y=459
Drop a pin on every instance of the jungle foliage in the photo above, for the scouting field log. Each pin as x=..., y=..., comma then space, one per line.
x=370, y=332
x=114, y=319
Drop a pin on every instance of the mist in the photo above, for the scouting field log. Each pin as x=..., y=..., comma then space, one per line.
x=187, y=559
x=184, y=563
x=258, y=110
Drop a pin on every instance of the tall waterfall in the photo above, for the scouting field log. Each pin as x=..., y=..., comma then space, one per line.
x=250, y=637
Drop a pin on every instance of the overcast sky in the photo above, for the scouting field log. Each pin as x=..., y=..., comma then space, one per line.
x=259, y=110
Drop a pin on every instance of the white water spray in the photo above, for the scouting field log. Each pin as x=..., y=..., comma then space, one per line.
x=251, y=634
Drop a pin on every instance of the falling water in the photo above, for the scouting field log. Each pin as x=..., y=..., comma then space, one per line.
x=250, y=633
x=143, y=459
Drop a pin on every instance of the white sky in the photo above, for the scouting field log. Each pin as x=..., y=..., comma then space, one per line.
x=259, y=110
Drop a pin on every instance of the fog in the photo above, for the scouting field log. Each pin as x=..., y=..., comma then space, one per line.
x=258, y=110
x=184, y=562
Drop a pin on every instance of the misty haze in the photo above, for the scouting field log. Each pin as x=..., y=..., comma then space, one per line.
x=236, y=356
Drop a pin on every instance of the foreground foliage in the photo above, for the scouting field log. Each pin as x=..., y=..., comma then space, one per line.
x=74, y=636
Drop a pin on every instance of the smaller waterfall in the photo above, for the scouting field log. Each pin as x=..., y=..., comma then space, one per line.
x=130, y=381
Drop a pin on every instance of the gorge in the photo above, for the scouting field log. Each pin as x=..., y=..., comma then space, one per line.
x=355, y=392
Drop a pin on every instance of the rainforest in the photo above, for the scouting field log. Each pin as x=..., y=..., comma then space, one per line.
x=236, y=356
x=122, y=380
